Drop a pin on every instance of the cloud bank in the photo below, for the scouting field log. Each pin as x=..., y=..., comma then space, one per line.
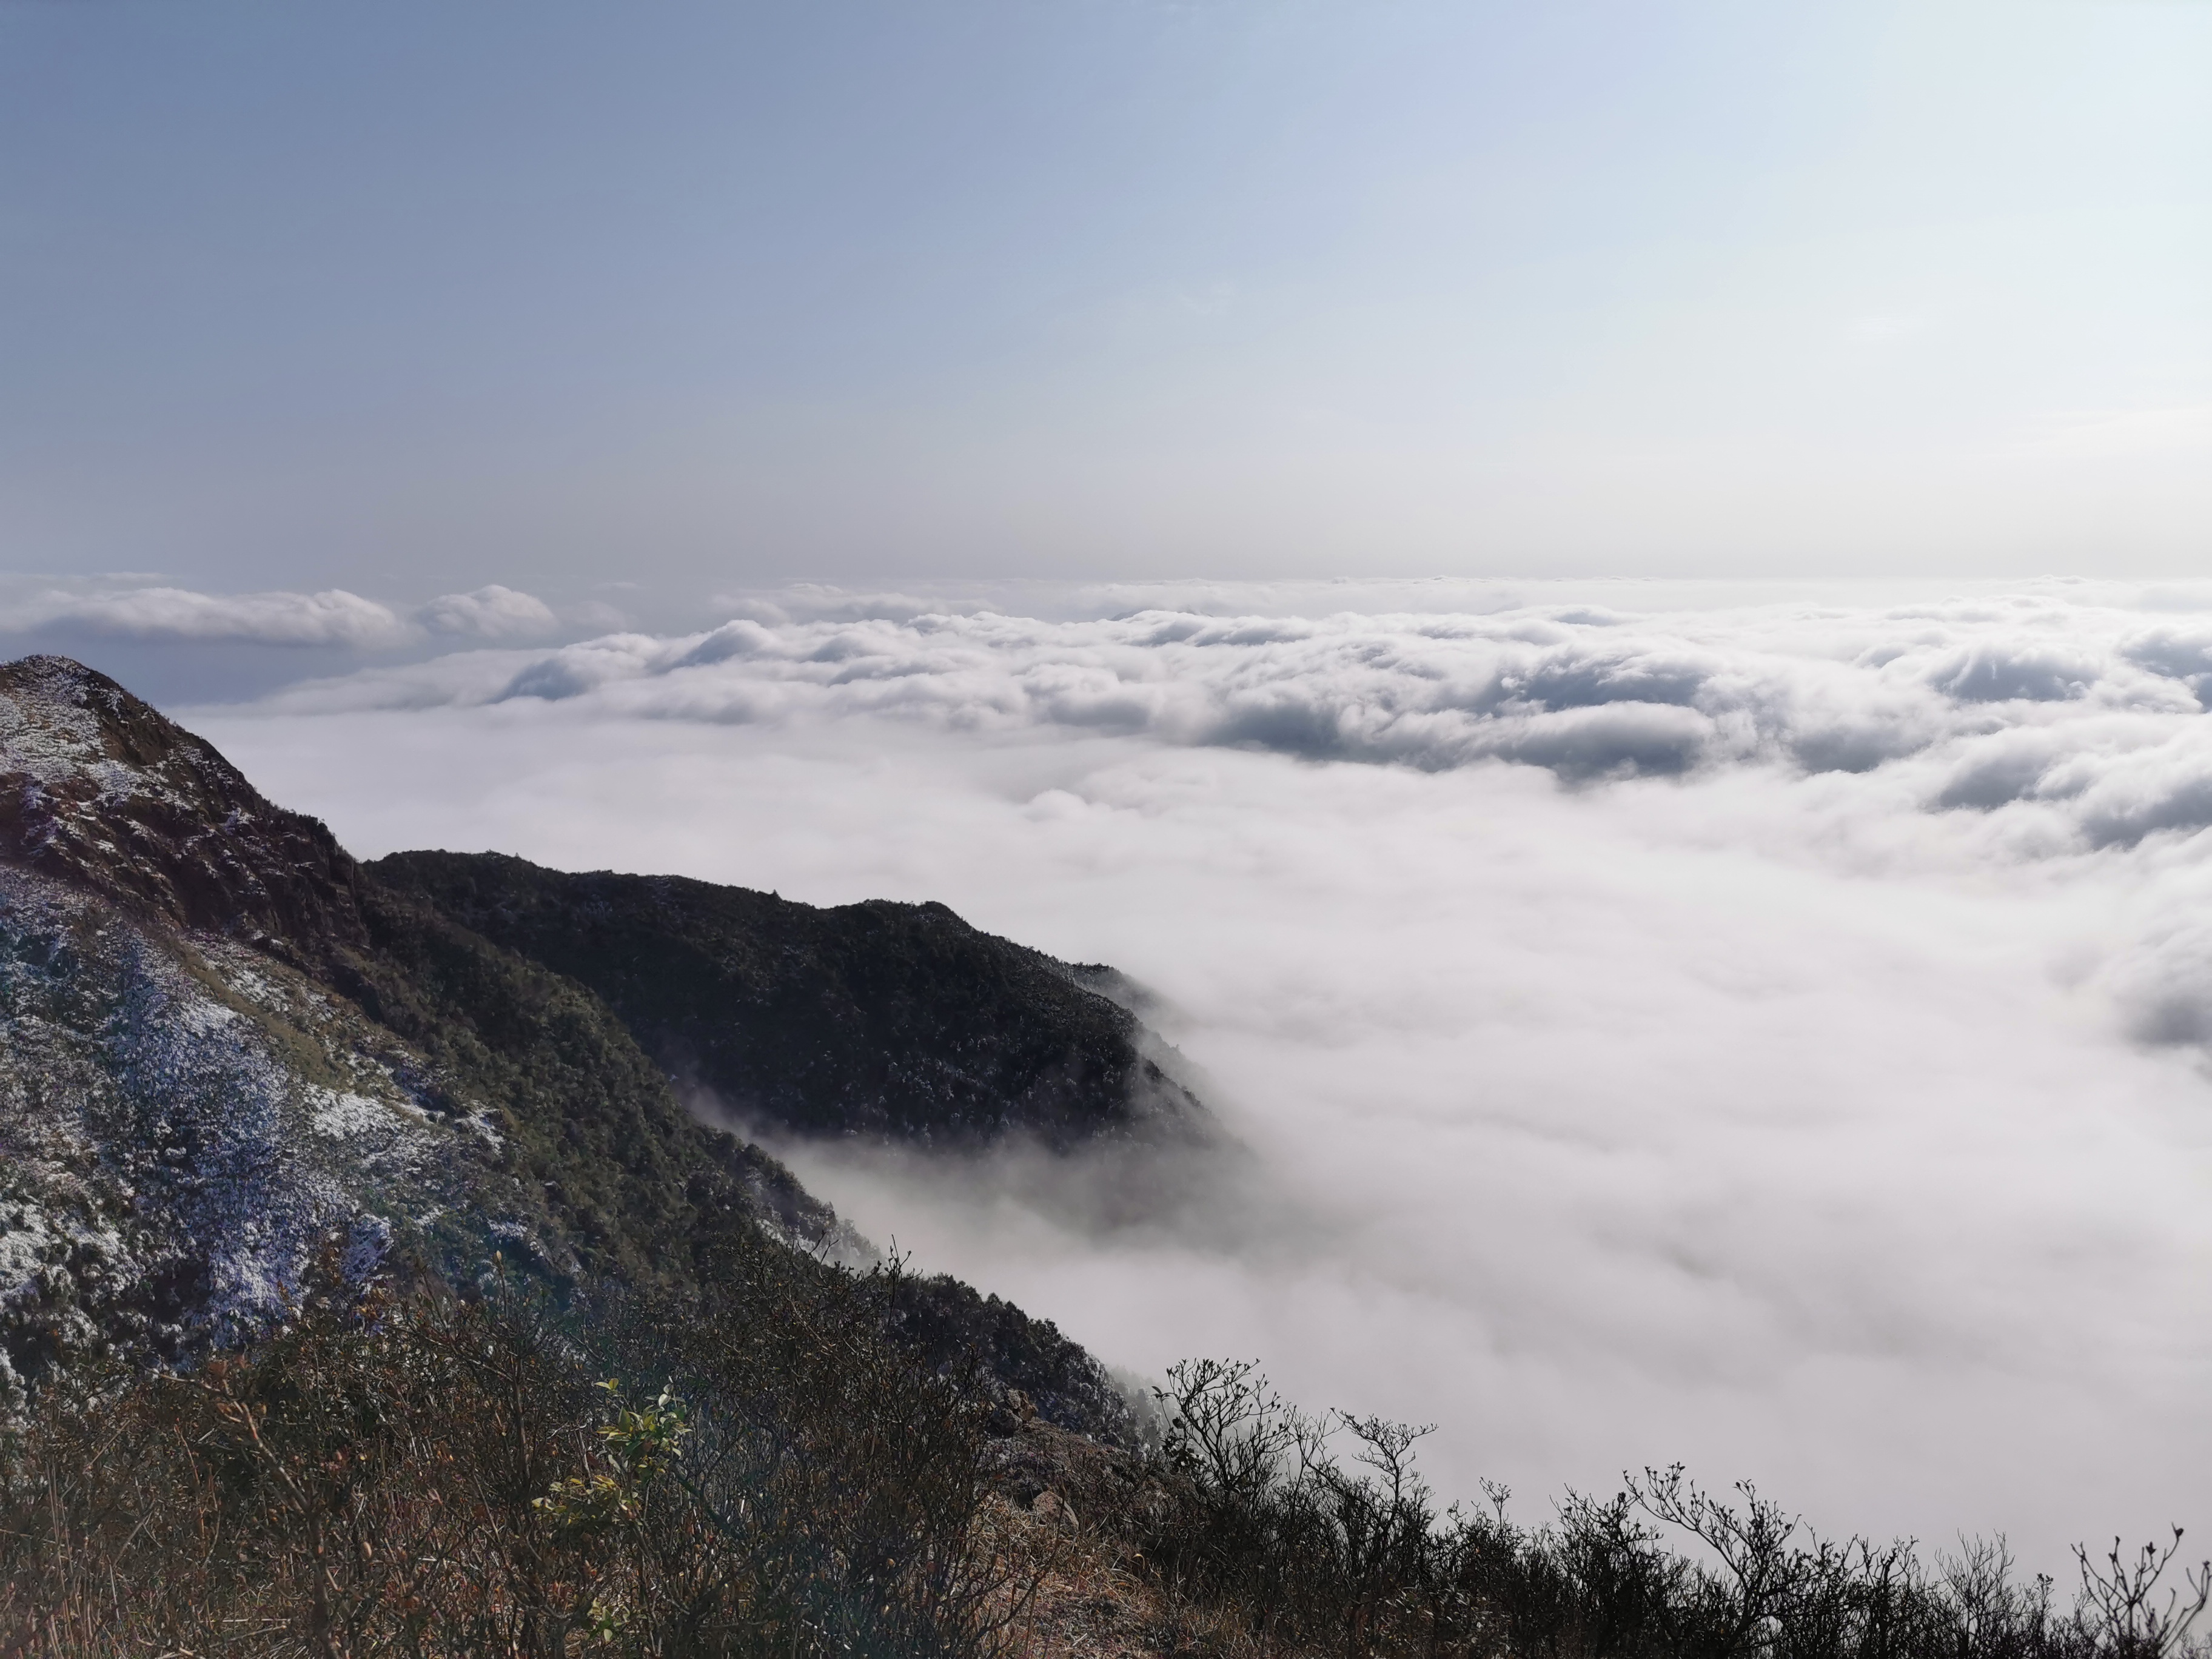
x=489, y=613
x=2074, y=719
x=333, y=619
x=1765, y=1031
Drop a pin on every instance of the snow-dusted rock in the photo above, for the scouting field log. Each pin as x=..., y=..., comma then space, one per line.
x=98, y=788
x=185, y=1126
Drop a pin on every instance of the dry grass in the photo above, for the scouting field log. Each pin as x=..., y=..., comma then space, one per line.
x=1087, y=1595
x=1061, y=1508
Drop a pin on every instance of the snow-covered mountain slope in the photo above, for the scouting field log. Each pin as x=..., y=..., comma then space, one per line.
x=185, y=1123
x=224, y=1059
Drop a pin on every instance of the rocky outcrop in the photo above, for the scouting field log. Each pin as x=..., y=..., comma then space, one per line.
x=97, y=788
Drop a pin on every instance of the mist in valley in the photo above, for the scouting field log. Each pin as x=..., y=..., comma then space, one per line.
x=1763, y=1034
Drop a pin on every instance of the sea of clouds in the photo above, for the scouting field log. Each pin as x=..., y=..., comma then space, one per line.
x=1760, y=1028
x=144, y=612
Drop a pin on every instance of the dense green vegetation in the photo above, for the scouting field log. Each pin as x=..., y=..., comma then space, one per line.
x=630, y=1187
x=622, y=1177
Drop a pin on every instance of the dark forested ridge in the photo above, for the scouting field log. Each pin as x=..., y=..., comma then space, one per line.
x=877, y=1019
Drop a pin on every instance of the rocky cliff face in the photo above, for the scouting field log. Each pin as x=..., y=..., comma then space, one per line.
x=227, y=1053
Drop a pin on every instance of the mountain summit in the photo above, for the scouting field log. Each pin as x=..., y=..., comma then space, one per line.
x=100, y=789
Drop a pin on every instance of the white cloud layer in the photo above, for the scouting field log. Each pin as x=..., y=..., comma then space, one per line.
x=2071, y=720
x=1765, y=1033
x=489, y=613
x=332, y=619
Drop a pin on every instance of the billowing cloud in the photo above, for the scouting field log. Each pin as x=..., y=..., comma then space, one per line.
x=2075, y=714
x=1771, y=1034
x=332, y=617
x=489, y=613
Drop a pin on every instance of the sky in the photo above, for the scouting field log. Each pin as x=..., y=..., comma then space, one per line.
x=1766, y=1027
x=622, y=306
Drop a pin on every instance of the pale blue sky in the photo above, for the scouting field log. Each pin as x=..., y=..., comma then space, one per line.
x=413, y=296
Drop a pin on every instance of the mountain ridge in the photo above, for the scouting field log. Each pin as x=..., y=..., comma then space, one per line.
x=879, y=1018
x=231, y=1049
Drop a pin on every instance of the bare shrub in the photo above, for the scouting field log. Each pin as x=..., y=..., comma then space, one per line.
x=1253, y=1511
x=756, y=1472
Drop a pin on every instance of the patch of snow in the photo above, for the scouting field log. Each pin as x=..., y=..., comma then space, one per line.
x=365, y=1245
x=346, y=1116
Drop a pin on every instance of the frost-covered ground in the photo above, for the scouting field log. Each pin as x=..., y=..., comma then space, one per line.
x=185, y=1123
x=184, y=1127
x=1762, y=1028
